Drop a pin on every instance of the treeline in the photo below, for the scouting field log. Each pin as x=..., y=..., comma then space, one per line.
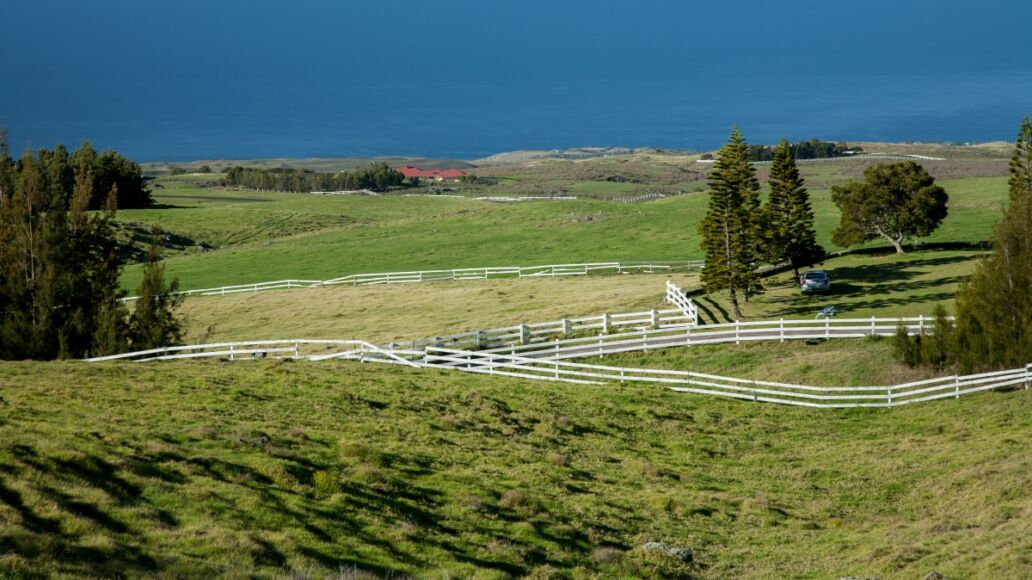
x=812, y=149
x=59, y=263
x=376, y=177
x=992, y=328
x=56, y=171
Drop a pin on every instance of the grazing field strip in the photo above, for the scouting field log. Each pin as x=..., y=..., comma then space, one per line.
x=487, y=273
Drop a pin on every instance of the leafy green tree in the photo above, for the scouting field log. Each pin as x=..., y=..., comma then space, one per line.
x=895, y=202
x=994, y=307
x=729, y=228
x=788, y=232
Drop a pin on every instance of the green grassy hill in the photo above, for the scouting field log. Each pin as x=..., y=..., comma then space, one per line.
x=334, y=470
x=277, y=236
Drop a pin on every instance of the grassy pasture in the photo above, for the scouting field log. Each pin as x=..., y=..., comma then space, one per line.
x=266, y=469
x=390, y=313
x=312, y=237
x=862, y=286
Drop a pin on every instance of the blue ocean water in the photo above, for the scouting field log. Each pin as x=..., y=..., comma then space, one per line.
x=240, y=79
x=463, y=121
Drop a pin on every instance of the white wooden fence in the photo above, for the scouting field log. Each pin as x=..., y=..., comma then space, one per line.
x=737, y=388
x=537, y=333
x=296, y=348
x=547, y=364
x=647, y=337
x=492, y=272
x=678, y=298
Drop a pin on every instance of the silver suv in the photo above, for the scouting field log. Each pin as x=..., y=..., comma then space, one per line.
x=815, y=281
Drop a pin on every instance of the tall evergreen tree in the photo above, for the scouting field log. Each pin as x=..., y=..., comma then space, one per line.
x=994, y=308
x=1021, y=161
x=729, y=228
x=788, y=232
x=59, y=263
x=152, y=324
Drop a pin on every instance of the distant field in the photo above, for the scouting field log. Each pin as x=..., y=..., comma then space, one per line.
x=881, y=285
x=314, y=237
x=265, y=469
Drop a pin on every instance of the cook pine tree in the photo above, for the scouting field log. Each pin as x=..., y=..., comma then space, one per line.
x=787, y=221
x=729, y=229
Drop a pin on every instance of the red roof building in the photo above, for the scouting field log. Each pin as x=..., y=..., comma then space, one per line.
x=433, y=174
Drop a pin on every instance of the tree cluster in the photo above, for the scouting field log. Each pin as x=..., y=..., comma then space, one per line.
x=55, y=170
x=737, y=233
x=812, y=149
x=375, y=177
x=993, y=324
x=60, y=266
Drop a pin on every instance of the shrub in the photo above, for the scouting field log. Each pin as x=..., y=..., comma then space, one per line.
x=519, y=502
x=326, y=483
x=361, y=453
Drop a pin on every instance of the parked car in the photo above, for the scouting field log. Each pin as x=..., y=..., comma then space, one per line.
x=815, y=281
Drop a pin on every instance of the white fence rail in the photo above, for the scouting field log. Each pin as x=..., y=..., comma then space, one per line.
x=737, y=388
x=493, y=272
x=538, y=333
x=678, y=298
x=296, y=348
x=547, y=365
x=686, y=334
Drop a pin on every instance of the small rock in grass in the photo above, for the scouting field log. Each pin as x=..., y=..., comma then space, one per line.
x=682, y=554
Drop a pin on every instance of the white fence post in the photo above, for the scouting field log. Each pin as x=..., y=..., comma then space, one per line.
x=956, y=380
x=873, y=331
x=827, y=327
x=231, y=357
x=524, y=334
x=477, y=338
x=738, y=332
x=605, y=323
x=297, y=350
x=781, y=329
x=655, y=318
x=890, y=396
x=600, y=346
x=920, y=324
x=566, y=326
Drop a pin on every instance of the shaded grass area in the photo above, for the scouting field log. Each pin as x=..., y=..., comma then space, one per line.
x=862, y=286
x=397, y=312
x=266, y=469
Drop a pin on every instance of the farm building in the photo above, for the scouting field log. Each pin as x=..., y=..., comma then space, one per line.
x=432, y=174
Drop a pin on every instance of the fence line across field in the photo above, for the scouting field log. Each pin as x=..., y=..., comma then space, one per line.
x=657, y=329
x=490, y=272
x=506, y=364
x=737, y=388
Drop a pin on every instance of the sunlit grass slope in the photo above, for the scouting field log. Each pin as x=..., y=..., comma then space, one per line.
x=263, y=470
x=277, y=236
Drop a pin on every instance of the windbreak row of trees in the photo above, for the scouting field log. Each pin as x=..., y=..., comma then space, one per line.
x=375, y=177
x=812, y=149
x=55, y=173
x=59, y=266
x=993, y=324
